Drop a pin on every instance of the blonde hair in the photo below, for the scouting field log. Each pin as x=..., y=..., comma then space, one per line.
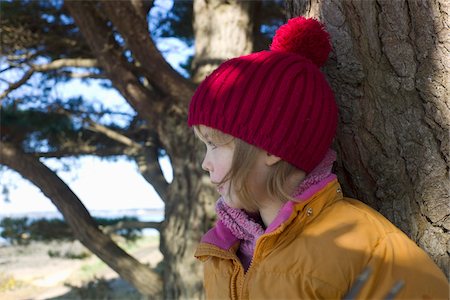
x=244, y=158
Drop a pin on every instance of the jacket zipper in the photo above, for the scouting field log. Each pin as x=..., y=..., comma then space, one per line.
x=234, y=280
x=257, y=246
x=237, y=267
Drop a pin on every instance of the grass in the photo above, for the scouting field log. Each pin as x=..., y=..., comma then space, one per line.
x=9, y=283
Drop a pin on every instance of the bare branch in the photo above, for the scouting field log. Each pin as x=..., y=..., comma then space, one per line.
x=150, y=169
x=22, y=57
x=83, y=75
x=54, y=65
x=9, y=67
x=82, y=150
x=134, y=29
x=18, y=83
x=65, y=63
x=146, y=158
x=114, y=135
x=146, y=102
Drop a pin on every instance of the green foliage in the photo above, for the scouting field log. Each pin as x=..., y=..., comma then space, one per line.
x=47, y=129
x=14, y=230
x=51, y=229
x=22, y=230
x=21, y=125
x=176, y=23
x=43, y=27
x=69, y=254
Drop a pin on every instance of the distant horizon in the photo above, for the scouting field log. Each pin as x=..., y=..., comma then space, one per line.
x=94, y=212
x=100, y=185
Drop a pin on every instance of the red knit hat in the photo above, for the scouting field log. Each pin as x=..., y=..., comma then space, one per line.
x=276, y=100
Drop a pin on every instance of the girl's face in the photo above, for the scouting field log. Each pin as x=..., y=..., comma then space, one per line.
x=218, y=161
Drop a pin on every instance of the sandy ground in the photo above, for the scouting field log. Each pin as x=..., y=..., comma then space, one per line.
x=43, y=271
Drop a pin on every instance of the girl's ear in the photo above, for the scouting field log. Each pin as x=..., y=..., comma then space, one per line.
x=271, y=159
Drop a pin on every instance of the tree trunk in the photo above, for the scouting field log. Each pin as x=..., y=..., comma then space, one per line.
x=390, y=71
x=189, y=211
x=223, y=30
x=85, y=230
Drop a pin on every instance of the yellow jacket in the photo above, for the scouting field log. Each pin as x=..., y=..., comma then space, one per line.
x=318, y=253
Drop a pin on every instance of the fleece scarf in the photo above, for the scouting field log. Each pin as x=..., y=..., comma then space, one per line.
x=248, y=227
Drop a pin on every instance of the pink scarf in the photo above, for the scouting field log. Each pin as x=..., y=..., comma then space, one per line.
x=247, y=228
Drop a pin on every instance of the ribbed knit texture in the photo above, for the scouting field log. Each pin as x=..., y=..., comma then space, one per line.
x=277, y=101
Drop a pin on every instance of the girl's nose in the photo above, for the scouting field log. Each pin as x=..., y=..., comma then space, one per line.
x=206, y=165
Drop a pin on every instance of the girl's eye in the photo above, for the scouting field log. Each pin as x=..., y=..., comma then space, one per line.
x=211, y=144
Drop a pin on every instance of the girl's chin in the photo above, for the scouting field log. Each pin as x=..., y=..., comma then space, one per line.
x=230, y=203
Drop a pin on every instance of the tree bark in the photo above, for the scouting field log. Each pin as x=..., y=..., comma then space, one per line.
x=222, y=30
x=390, y=71
x=146, y=281
x=133, y=28
x=122, y=74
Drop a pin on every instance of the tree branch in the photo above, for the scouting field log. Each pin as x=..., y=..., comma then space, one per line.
x=83, y=75
x=134, y=29
x=54, y=65
x=146, y=158
x=79, y=219
x=114, y=135
x=98, y=37
x=82, y=150
x=18, y=83
x=142, y=7
x=65, y=63
x=150, y=169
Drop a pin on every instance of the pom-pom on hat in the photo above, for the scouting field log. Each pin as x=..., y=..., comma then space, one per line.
x=276, y=100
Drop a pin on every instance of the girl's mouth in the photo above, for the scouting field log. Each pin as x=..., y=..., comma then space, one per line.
x=219, y=189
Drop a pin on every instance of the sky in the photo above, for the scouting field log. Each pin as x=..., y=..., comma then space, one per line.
x=99, y=184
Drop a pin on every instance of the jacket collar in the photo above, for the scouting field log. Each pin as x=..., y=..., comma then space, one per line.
x=220, y=236
x=309, y=204
x=305, y=197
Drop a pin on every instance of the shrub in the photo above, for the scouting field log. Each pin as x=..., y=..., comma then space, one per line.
x=23, y=230
x=15, y=230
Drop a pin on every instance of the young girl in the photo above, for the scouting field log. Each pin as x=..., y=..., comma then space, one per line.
x=284, y=229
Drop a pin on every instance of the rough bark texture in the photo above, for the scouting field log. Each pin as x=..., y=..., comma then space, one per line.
x=85, y=230
x=224, y=29
x=390, y=71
